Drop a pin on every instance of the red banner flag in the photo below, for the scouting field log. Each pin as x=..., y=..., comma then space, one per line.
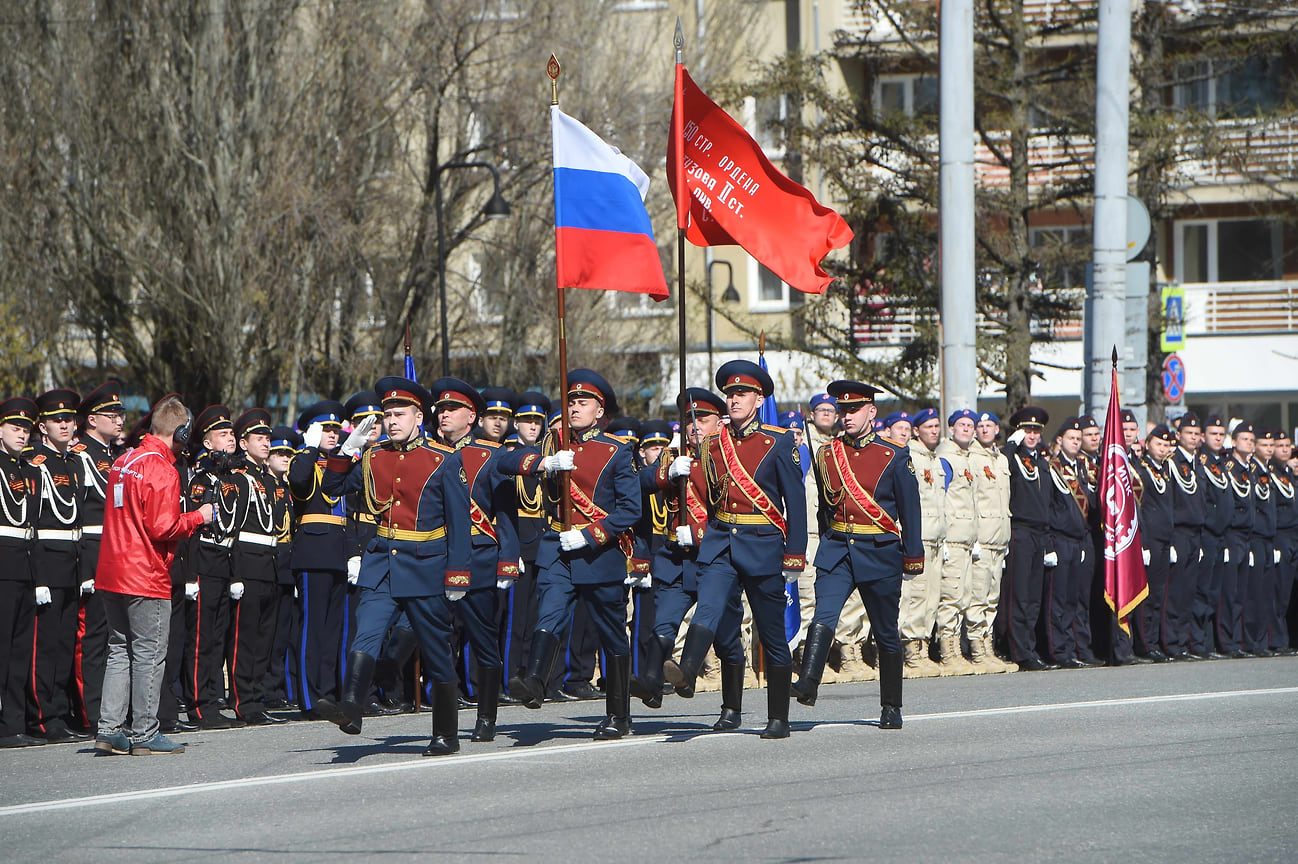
x=738, y=198
x=1125, y=585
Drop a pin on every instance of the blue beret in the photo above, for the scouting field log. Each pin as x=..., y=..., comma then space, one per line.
x=959, y=413
x=987, y=415
x=823, y=399
x=792, y=420
x=924, y=416
x=878, y=425
x=896, y=417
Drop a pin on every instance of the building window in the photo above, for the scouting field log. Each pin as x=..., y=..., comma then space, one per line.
x=1229, y=250
x=769, y=292
x=1062, y=252
x=1230, y=89
x=764, y=116
x=906, y=94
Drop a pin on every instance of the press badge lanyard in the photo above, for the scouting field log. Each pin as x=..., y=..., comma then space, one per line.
x=117, y=487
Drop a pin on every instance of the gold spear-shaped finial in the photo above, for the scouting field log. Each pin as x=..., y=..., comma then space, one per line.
x=552, y=69
x=679, y=41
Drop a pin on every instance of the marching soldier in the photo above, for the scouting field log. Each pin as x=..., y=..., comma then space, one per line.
x=1286, y=536
x=17, y=596
x=519, y=608
x=494, y=546
x=991, y=471
x=586, y=560
x=256, y=538
x=756, y=533
x=920, y=595
x=319, y=556
x=675, y=568
x=1263, y=555
x=1189, y=513
x=281, y=674
x=1029, y=529
x=961, y=535
x=1157, y=534
x=101, y=414
x=54, y=563
x=869, y=508
x=418, y=563
x=1071, y=500
x=210, y=568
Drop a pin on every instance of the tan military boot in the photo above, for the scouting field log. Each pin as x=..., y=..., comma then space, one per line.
x=751, y=681
x=1006, y=665
x=709, y=679
x=953, y=662
x=980, y=661
x=854, y=667
x=916, y=663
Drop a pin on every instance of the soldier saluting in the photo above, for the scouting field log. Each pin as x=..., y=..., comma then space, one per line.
x=870, y=540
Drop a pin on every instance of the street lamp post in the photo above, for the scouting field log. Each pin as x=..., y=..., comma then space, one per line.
x=495, y=208
x=730, y=295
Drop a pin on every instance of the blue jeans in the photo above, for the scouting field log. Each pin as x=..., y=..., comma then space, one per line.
x=138, y=630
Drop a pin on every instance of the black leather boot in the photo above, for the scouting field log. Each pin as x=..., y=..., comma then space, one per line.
x=529, y=688
x=648, y=685
x=446, y=719
x=779, y=680
x=617, y=700
x=488, y=701
x=732, y=697
x=348, y=714
x=698, y=640
x=890, y=689
x=815, y=653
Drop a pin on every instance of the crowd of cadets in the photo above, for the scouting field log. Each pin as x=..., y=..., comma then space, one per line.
x=313, y=591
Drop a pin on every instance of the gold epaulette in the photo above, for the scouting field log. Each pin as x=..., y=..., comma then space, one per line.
x=768, y=428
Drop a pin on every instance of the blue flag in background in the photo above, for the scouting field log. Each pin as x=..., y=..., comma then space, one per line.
x=770, y=415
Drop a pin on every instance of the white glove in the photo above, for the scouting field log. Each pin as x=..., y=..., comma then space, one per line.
x=295, y=594
x=1017, y=436
x=684, y=535
x=353, y=569
x=561, y=461
x=977, y=551
x=359, y=436
x=631, y=579
x=311, y=437
x=1225, y=556
x=1171, y=554
x=504, y=583
x=522, y=567
x=679, y=468
x=1250, y=558
x=88, y=587
x=191, y=591
x=946, y=554
x=454, y=595
x=236, y=590
x=646, y=581
x=43, y=597
x=1083, y=556
x=791, y=576
x=1052, y=559
x=571, y=540
x=1201, y=554
x=1145, y=556
x=1275, y=553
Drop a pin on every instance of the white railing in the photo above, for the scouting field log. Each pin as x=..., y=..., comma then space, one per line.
x=1236, y=308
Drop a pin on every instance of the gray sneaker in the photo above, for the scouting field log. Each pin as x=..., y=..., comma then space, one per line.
x=112, y=744
x=158, y=745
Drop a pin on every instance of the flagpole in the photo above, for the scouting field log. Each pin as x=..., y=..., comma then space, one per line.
x=552, y=70
x=678, y=111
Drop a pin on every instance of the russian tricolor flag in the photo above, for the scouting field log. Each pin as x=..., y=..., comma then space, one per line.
x=602, y=233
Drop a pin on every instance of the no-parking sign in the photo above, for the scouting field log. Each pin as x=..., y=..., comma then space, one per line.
x=1173, y=378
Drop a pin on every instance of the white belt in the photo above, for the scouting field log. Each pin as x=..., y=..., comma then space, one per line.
x=17, y=533
x=92, y=530
x=72, y=535
x=224, y=544
x=257, y=539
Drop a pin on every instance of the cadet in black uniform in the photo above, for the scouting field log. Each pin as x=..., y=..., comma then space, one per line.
x=1153, y=628
x=360, y=529
x=1066, y=630
x=1219, y=510
x=319, y=556
x=17, y=590
x=281, y=673
x=1286, y=540
x=1021, y=587
x=1259, y=599
x=1189, y=513
x=1235, y=571
x=651, y=535
x=212, y=443
x=519, y=608
x=101, y=414
x=54, y=563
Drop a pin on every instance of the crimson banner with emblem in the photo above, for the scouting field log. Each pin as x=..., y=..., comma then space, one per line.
x=1125, y=585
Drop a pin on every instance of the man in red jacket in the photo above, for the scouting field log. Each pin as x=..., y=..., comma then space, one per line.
x=142, y=522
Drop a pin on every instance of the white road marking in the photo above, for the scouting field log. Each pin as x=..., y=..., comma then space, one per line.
x=584, y=748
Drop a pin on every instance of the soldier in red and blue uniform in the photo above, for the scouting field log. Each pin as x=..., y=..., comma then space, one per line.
x=675, y=562
x=756, y=538
x=319, y=557
x=419, y=560
x=870, y=540
x=587, y=558
x=493, y=564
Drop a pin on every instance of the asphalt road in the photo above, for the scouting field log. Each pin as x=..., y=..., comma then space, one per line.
x=1178, y=762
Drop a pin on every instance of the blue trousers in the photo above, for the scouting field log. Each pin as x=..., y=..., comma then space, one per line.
x=324, y=596
x=881, y=598
x=430, y=618
x=672, y=601
x=606, y=604
x=719, y=584
x=480, y=640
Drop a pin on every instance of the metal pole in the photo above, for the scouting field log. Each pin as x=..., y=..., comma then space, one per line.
x=956, y=206
x=1109, y=273
x=441, y=273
